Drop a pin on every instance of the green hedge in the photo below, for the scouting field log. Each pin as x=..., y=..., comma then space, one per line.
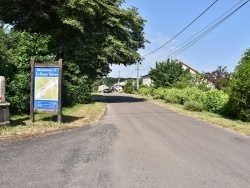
x=212, y=100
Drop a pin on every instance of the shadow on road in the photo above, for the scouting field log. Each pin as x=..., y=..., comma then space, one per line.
x=111, y=98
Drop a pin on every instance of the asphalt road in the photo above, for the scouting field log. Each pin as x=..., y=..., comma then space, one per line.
x=136, y=145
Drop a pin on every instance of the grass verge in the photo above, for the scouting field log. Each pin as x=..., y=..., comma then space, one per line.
x=76, y=116
x=215, y=119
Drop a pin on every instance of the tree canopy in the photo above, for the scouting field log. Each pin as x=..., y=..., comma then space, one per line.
x=88, y=35
x=240, y=89
x=220, y=77
x=167, y=73
x=91, y=33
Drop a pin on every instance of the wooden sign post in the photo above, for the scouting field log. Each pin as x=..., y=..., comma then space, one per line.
x=46, y=89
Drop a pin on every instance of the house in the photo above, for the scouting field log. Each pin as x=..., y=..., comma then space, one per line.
x=118, y=87
x=102, y=87
x=146, y=80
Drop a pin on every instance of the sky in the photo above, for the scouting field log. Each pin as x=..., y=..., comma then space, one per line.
x=223, y=46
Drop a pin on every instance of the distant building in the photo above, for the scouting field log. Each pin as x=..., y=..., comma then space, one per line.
x=102, y=87
x=146, y=80
x=118, y=87
x=192, y=71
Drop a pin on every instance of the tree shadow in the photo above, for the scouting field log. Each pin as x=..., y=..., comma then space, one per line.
x=122, y=99
x=98, y=98
x=19, y=121
x=22, y=121
x=65, y=118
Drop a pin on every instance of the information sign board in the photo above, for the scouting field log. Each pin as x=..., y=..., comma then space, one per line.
x=46, y=88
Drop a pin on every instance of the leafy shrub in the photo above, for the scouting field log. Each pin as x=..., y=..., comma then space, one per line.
x=76, y=87
x=193, y=106
x=171, y=95
x=145, y=91
x=215, y=101
x=129, y=88
x=21, y=47
x=158, y=93
x=239, y=93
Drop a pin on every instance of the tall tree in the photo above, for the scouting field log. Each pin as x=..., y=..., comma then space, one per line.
x=167, y=73
x=90, y=33
x=240, y=89
x=220, y=77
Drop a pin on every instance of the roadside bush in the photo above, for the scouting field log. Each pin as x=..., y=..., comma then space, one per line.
x=158, y=93
x=76, y=86
x=239, y=105
x=193, y=106
x=21, y=47
x=215, y=101
x=145, y=90
x=171, y=95
x=190, y=94
x=129, y=87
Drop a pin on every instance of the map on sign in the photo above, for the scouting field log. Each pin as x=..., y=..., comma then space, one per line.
x=46, y=88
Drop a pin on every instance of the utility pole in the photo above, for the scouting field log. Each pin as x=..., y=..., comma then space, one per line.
x=118, y=77
x=137, y=76
x=118, y=81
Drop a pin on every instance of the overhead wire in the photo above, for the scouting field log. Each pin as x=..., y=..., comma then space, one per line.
x=201, y=30
x=178, y=50
x=206, y=32
x=181, y=30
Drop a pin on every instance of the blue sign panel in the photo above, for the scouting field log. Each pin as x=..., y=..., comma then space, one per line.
x=46, y=88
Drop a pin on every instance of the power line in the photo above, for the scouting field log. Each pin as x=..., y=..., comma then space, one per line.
x=182, y=30
x=207, y=31
x=176, y=52
x=178, y=47
x=131, y=73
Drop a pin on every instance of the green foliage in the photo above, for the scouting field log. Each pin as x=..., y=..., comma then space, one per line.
x=6, y=68
x=158, y=93
x=91, y=34
x=145, y=90
x=212, y=100
x=22, y=46
x=129, y=87
x=166, y=74
x=240, y=89
x=215, y=101
x=192, y=80
x=220, y=77
x=87, y=35
x=193, y=106
x=76, y=86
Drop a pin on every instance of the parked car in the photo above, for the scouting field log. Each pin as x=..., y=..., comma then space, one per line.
x=106, y=91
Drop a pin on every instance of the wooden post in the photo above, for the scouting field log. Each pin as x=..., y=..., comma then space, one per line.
x=59, y=112
x=32, y=118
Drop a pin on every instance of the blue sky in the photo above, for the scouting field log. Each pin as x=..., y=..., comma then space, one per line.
x=223, y=46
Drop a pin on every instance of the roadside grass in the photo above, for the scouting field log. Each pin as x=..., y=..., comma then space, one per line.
x=76, y=116
x=214, y=119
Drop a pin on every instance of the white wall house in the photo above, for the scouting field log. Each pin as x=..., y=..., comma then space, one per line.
x=146, y=80
x=102, y=87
